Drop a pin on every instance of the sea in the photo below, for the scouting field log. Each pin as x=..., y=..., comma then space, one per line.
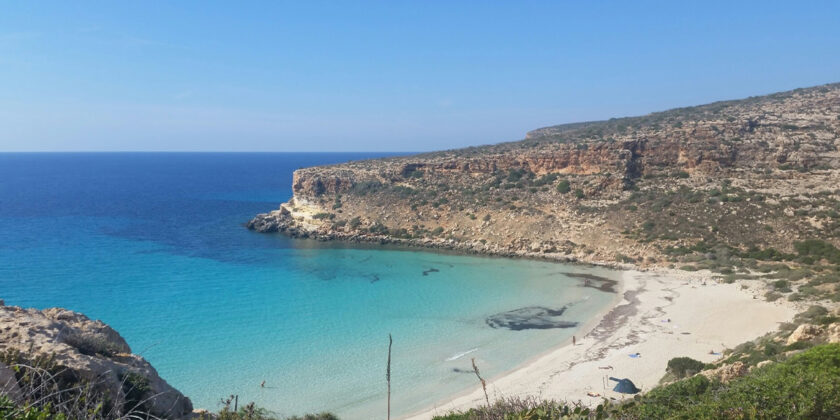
x=155, y=245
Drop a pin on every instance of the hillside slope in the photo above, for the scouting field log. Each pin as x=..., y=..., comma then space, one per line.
x=713, y=186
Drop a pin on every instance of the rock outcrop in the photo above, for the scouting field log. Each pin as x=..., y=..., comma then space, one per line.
x=727, y=373
x=87, y=352
x=805, y=332
x=833, y=333
x=815, y=334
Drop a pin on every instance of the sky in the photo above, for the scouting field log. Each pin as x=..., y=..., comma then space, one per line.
x=382, y=75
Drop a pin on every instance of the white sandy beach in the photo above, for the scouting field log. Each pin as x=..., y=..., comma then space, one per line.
x=702, y=318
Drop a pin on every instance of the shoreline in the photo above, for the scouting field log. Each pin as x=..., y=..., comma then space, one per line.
x=337, y=239
x=300, y=223
x=635, y=323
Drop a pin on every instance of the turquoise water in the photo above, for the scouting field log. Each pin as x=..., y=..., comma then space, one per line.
x=154, y=245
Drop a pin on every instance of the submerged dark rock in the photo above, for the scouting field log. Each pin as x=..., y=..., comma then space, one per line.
x=530, y=318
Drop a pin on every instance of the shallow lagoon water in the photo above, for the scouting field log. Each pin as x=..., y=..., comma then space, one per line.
x=154, y=245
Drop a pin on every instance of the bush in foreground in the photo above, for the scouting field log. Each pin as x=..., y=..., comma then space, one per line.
x=681, y=367
x=806, y=386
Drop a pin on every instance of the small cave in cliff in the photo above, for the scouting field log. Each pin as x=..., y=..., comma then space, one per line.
x=530, y=318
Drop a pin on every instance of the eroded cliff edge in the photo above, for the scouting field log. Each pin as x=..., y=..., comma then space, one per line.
x=743, y=176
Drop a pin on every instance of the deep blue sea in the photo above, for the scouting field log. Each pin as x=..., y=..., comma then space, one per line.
x=154, y=244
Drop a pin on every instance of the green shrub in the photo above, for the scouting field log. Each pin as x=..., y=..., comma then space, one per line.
x=515, y=174
x=666, y=401
x=806, y=386
x=564, y=187
x=782, y=286
x=378, y=228
x=811, y=314
x=365, y=187
x=772, y=296
x=545, y=179
x=527, y=408
x=768, y=254
x=684, y=366
x=795, y=297
x=818, y=249
x=92, y=344
x=247, y=412
x=319, y=416
x=136, y=388
x=9, y=410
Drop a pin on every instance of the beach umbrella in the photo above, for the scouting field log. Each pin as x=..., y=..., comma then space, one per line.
x=625, y=386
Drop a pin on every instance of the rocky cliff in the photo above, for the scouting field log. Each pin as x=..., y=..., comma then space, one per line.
x=64, y=358
x=725, y=178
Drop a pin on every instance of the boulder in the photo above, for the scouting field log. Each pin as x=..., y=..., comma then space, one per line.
x=804, y=332
x=763, y=363
x=833, y=333
x=727, y=373
x=760, y=365
x=89, y=352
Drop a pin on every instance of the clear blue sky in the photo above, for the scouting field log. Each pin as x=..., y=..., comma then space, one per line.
x=382, y=76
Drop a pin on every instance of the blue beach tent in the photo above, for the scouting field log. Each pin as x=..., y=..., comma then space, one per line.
x=625, y=386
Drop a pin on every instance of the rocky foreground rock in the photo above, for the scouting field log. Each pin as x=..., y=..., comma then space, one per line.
x=82, y=351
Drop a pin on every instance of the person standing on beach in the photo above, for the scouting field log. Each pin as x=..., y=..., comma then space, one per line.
x=574, y=341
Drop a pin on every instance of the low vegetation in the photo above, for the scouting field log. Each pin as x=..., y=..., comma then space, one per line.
x=681, y=367
x=805, y=386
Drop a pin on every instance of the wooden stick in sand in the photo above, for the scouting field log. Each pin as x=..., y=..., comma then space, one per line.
x=388, y=374
x=483, y=384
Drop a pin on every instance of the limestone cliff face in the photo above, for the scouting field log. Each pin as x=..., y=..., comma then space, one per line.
x=599, y=191
x=84, y=352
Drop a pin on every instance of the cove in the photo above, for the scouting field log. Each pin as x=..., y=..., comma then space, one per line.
x=153, y=244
